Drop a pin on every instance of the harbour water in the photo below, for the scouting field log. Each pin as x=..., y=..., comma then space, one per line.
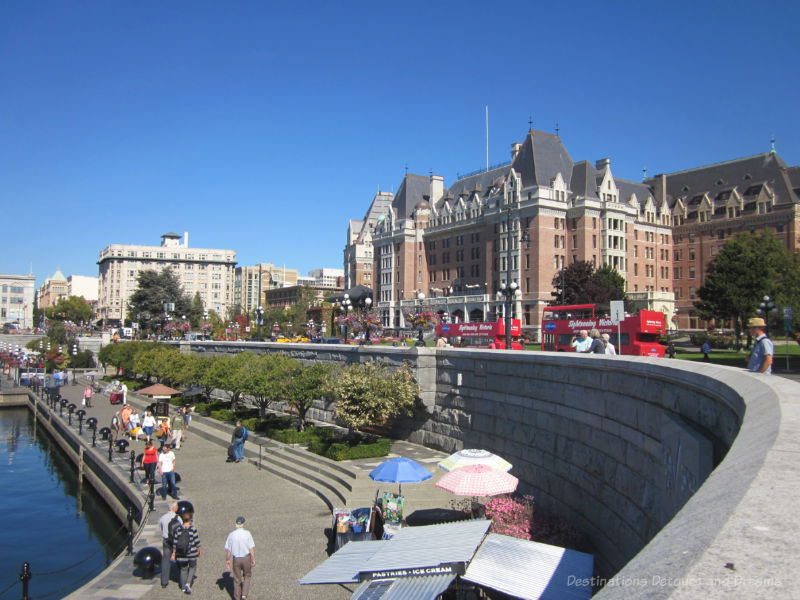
x=62, y=528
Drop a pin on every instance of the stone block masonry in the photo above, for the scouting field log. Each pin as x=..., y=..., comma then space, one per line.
x=670, y=467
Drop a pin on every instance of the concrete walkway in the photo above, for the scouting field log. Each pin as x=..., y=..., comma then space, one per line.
x=288, y=523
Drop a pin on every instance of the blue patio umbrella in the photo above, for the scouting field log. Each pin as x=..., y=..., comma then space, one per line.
x=400, y=470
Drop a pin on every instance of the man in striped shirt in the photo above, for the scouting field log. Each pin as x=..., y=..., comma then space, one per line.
x=185, y=551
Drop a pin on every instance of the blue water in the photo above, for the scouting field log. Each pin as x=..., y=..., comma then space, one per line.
x=63, y=529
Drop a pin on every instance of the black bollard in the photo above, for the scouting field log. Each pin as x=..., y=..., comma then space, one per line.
x=94, y=437
x=133, y=465
x=72, y=406
x=130, y=529
x=110, y=448
x=25, y=576
x=81, y=413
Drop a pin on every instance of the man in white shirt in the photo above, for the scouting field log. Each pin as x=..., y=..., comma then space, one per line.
x=240, y=558
x=166, y=468
x=582, y=342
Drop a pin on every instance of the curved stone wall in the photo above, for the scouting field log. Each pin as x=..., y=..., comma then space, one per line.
x=619, y=445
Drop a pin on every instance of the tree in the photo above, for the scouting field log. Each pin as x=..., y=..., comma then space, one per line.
x=306, y=384
x=579, y=283
x=265, y=377
x=748, y=267
x=224, y=373
x=71, y=308
x=370, y=394
x=195, y=314
x=121, y=355
x=157, y=361
x=153, y=290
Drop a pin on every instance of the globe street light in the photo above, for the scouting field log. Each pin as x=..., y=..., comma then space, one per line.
x=420, y=341
x=345, y=305
x=259, y=315
x=508, y=294
x=766, y=307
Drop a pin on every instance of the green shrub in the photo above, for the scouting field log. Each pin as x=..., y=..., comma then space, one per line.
x=348, y=450
x=201, y=408
x=177, y=401
x=252, y=424
x=223, y=414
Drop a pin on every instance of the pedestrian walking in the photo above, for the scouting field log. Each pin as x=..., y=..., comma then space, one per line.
x=148, y=424
x=166, y=468
x=186, y=549
x=671, y=350
x=135, y=423
x=706, y=350
x=87, y=396
x=149, y=461
x=240, y=558
x=167, y=522
x=177, y=430
x=240, y=434
x=763, y=353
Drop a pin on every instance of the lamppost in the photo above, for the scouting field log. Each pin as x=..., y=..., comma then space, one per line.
x=766, y=307
x=310, y=329
x=289, y=333
x=259, y=315
x=345, y=305
x=421, y=328
x=509, y=290
x=365, y=303
x=205, y=324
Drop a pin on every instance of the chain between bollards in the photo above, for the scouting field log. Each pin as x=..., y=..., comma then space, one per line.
x=25, y=576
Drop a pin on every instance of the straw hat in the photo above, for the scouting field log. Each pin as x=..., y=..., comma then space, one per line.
x=756, y=322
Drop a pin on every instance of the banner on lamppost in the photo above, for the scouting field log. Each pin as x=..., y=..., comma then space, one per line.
x=788, y=320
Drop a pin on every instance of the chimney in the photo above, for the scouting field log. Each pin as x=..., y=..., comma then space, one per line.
x=437, y=188
x=515, y=148
x=660, y=187
x=185, y=239
x=602, y=164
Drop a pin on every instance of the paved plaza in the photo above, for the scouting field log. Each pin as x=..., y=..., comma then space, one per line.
x=288, y=523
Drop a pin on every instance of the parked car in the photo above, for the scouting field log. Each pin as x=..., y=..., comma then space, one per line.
x=326, y=340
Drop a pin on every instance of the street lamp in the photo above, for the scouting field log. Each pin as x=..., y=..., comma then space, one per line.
x=766, y=307
x=259, y=315
x=345, y=305
x=420, y=341
x=508, y=294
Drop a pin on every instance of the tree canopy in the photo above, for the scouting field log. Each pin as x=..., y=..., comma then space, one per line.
x=580, y=283
x=748, y=267
x=153, y=290
x=71, y=308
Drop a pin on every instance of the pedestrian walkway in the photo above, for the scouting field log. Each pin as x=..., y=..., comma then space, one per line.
x=288, y=522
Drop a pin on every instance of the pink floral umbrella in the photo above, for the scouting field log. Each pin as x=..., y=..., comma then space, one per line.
x=477, y=480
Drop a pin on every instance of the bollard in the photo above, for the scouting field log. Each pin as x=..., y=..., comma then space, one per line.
x=133, y=465
x=94, y=437
x=25, y=576
x=110, y=448
x=81, y=413
x=151, y=495
x=130, y=529
x=71, y=408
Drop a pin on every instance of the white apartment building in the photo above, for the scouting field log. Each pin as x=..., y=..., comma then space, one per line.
x=326, y=277
x=205, y=271
x=16, y=299
x=83, y=286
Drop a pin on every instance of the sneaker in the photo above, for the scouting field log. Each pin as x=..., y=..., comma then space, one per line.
x=187, y=589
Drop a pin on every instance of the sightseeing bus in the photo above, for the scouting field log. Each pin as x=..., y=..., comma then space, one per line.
x=481, y=335
x=640, y=332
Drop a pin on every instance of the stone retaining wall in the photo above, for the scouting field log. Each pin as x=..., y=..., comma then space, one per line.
x=618, y=445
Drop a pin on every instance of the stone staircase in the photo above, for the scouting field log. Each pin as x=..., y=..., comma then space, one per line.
x=337, y=484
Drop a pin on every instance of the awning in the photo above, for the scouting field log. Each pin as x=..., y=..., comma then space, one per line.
x=409, y=588
x=531, y=570
x=414, y=551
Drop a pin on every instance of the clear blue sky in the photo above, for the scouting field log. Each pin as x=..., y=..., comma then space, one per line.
x=263, y=126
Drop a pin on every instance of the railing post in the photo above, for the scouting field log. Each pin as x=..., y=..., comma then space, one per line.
x=130, y=529
x=25, y=576
x=133, y=464
x=94, y=437
x=151, y=495
x=110, y=448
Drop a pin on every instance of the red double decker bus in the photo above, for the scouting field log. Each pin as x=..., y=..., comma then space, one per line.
x=639, y=332
x=480, y=335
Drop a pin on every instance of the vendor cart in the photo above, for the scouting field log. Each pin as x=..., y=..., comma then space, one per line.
x=358, y=524
x=115, y=397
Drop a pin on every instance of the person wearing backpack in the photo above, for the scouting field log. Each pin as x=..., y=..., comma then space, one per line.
x=240, y=434
x=186, y=550
x=168, y=521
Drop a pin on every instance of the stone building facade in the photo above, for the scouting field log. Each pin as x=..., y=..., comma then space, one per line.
x=204, y=271
x=450, y=249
